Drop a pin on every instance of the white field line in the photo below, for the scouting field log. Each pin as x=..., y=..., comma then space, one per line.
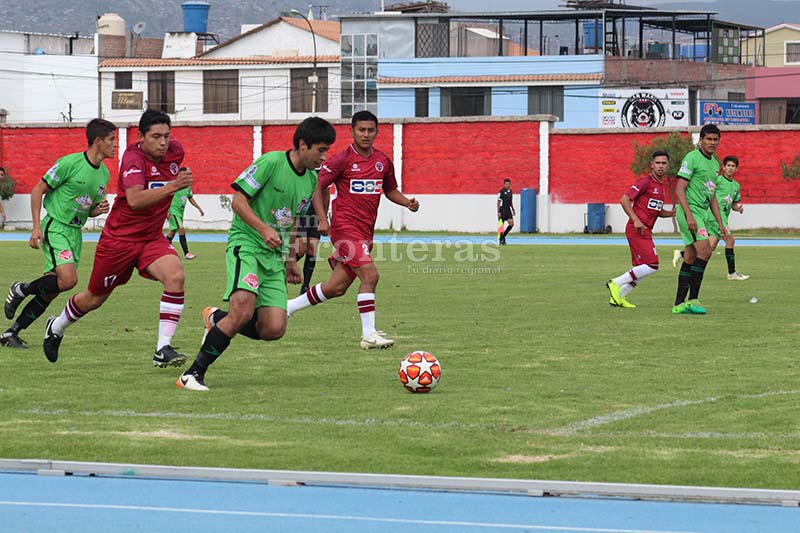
x=446, y=523
x=574, y=428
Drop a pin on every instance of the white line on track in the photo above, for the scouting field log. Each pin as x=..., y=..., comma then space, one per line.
x=449, y=523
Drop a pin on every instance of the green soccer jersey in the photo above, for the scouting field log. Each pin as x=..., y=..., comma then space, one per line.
x=77, y=186
x=277, y=193
x=728, y=193
x=179, y=200
x=701, y=172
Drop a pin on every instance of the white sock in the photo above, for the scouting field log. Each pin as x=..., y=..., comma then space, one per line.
x=626, y=289
x=169, y=313
x=68, y=316
x=366, y=309
x=635, y=274
x=312, y=296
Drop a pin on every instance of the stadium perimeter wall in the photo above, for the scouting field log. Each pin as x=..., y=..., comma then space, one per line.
x=454, y=166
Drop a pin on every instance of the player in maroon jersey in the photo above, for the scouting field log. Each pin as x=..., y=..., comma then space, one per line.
x=361, y=174
x=132, y=237
x=644, y=204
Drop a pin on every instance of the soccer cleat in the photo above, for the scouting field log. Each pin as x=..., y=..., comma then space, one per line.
x=167, y=356
x=613, y=303
x=304, y=289
x=613, y=289
x=695, y=307
x=191, y=381
x=676, y=258
x=51, y=342
x=625, y=303
x=375, y=340
x=189, y=256
x=681, y=309
x=738, y=277
x=502, y=241
x=12, y=340
x=12, y=300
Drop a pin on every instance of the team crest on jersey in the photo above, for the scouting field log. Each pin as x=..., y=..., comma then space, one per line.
x=52, y=173
x=379, y=166
x=65, y=255
x=173, y=168
x=283, y=217
x=84, y=201
x=728, y=200
x=252, y=280
x=710, y=185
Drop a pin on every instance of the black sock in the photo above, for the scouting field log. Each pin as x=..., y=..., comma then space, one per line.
x=731, y=261
x=47, y=284
x=684, y=281
x=184, y=244
x=250, y=330
x=308, y=269
x=218, y=315
x=35, y=308
x=216, y=342
x=698, y=269
x=508, y=228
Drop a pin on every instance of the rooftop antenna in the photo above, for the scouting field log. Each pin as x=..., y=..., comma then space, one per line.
x=138, y=28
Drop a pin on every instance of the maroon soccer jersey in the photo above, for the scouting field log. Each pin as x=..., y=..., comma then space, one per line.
x=123, y=222
x=647, y=196
x=359, y=181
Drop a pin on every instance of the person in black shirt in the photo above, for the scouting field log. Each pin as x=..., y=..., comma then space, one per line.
x=505, y=208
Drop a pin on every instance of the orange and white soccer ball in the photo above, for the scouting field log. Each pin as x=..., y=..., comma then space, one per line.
x=420, y=371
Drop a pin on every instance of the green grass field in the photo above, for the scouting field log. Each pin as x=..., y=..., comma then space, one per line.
x=541, y=378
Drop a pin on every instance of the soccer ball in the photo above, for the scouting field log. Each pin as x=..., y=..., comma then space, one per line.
x=419, y=371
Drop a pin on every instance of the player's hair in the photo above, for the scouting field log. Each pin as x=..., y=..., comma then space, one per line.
x=150, y=118
x=659, y=153
x=314, y=130
x=98, y=129
x=3, y=170
x=731, y=158
x=506, y=180
x=709, y=128
x=363, y=116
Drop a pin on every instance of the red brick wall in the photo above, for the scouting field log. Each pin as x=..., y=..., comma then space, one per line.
x=281, y=138
x=684, y=73
x=216, y=155
x=469, y=157
x=27, y=153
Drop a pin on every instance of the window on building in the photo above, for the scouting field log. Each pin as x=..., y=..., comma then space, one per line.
x=736, y=97
x=792, y=53
x=433, y=39
x=546, y=101
x=359, y=57
x=303, y=91
x=220, y=91
x=793, y=111
x=161, y=91
x=123, y=80
x=421, y=102
x=466, y=101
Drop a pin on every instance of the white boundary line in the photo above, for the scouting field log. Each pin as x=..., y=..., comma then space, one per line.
x=350, y=518
x=530, y=487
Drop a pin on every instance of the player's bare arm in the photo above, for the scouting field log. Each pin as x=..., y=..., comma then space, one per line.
x=321, y=200
x=197, y=206
x=37, y=194
x=100, y=208
x=715, y=211
x=680, y=194
x=399, y=198
x=293, y=275
x=241, y=207
x=140, y=198
x=627, y=206
x=738, y=207
x=666, y=213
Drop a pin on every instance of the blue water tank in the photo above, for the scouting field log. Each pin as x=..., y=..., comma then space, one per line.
x=596, y=218
x=195, y=16
x=593, y=34
x=694, y=52
x=527, y=212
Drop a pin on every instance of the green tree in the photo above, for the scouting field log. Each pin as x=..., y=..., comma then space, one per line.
x=7, y=187
x=677, y=145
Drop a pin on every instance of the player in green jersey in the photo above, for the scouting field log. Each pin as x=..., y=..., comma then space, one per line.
x=697, y=201
x=270, y=195
x=73, y=190
x=175, y=219
x=729, y=199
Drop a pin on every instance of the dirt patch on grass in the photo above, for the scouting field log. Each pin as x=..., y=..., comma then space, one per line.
x=525, y=459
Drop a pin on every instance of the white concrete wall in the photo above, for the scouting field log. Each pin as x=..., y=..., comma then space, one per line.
x=39, y=88
x=279, y=39
x=465, y=213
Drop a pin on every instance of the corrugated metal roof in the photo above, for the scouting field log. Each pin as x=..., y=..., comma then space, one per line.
x=216, y=61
